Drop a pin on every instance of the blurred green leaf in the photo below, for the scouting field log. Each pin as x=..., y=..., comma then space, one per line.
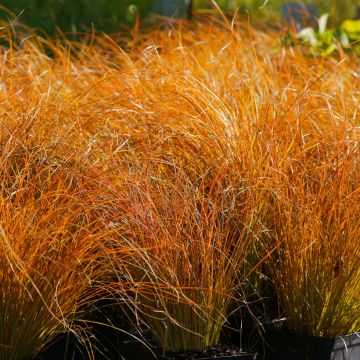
x=351, y=26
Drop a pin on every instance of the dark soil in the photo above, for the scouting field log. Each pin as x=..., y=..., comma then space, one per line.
x=218, y=352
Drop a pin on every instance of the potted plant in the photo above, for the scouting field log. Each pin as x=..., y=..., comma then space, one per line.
x=315, y=269
x=188, y=253
x=46, y=253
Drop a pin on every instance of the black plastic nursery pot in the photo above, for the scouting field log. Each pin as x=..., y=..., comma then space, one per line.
x=134, y=349
x=346, y=347
x=112, y=345
x=281, y=344
x=224, y=357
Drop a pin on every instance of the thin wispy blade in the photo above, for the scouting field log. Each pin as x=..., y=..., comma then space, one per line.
x=264, y=4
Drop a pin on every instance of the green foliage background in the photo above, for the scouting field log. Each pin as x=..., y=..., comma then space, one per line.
x=73, y=15
x=112, y=15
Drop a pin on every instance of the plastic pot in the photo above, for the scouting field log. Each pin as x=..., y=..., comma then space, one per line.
x=346, y=347
x=281, y=344
x=138, y=348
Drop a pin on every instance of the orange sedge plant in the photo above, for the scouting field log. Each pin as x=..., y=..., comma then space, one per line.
x=191, y=98
x=192, y=244
x=316, y=229
x=48, y=253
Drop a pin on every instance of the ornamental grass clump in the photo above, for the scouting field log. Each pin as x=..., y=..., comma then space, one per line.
x=316, y=232
x=193, y=154
x=200, y=99
x=192, y=243
x=48, y=253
